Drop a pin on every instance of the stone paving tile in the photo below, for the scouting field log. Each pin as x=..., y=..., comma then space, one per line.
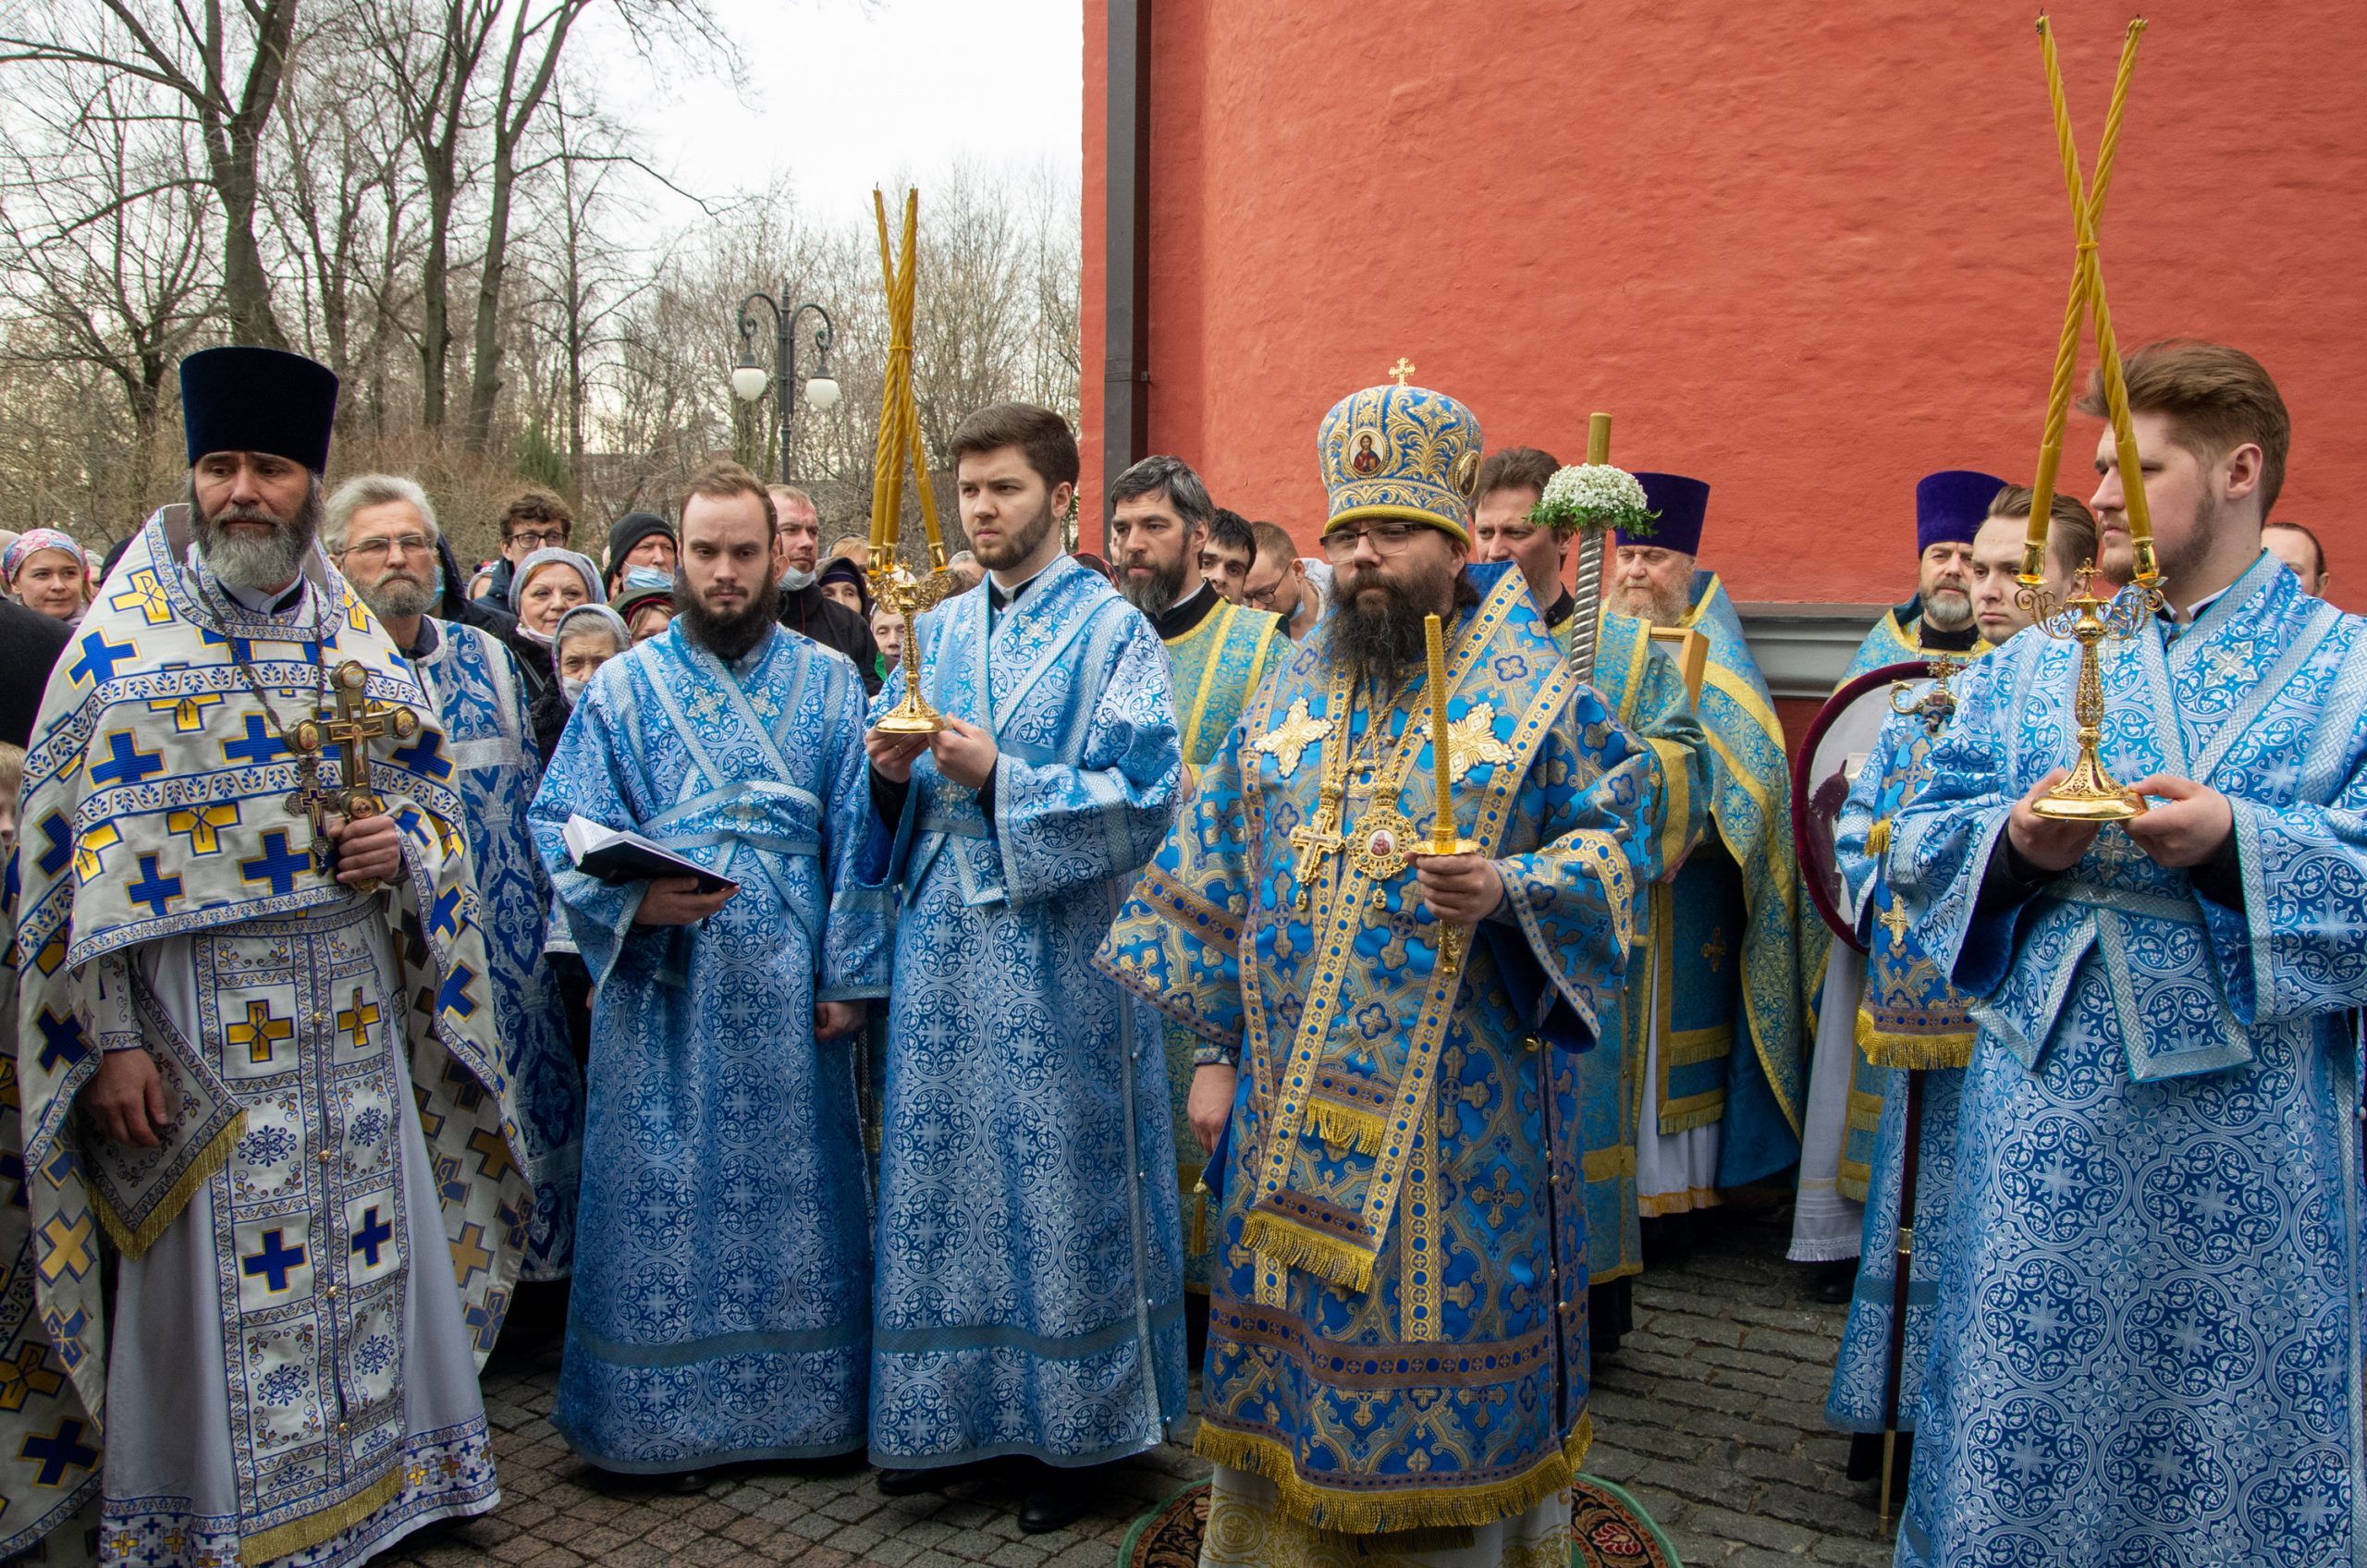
x=1711, y=1414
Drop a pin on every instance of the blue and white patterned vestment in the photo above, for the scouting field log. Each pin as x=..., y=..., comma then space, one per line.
x=1029, y=1296
x=482, y=700
x=2146, y=1342
x=718, y=1312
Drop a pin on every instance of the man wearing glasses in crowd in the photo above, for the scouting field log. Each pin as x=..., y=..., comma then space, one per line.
x=535, y=520
x=1279, y=580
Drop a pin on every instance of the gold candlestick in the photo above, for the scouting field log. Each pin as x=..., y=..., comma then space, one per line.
x=1443, y=838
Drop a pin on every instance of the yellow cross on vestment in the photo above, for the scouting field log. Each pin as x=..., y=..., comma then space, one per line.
x=1894, y=920
x=355, y=1022
x=1288, y=741
x=1714, y=951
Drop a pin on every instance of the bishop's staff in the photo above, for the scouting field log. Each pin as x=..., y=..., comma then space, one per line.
x=2090, y=794
x=899, y=444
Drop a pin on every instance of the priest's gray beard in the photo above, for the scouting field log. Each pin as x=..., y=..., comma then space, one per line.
x=1155, y=594
x=1651, y=606
x=260, y=566
x=729, y=635
x=1376, y=623
x=400, y=595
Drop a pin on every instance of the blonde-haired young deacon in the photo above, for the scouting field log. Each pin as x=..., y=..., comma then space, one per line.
x=254, y=1049
x=1398, y=1344
x=2146, y=1345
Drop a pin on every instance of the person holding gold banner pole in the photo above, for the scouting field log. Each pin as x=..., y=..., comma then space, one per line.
x=1396, y=910
x=2144, y=1342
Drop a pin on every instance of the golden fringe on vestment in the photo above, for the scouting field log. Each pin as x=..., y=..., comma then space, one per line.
x=283, y=1540
x=1272, y=1237
x=1346, y=1127
x=1916, y=1053
x=1675, y=1121
x=134, y=1242
x=1878, y=840
x=1438, y=1508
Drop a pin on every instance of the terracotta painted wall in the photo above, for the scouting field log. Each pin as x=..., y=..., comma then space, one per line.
x=1808, y=252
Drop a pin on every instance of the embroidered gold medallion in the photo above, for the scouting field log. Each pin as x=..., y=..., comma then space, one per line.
x=1385, y=842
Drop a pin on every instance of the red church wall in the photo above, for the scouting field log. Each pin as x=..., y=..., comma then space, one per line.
x=1806, y=253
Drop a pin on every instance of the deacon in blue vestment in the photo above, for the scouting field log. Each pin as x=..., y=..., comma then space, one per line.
x=719, y=1311
x=1722, y=1090
x=1844, y=1098
x=1029, y=1297
x=1398, y=1355
x=2147, y=1342
x=381, y=531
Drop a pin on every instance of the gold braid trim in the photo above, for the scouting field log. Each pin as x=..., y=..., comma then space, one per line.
x=134, y=1242
x=1345, y=1127
x=1440, y=1508
x=1278, y=1241
x=1918, y=1053
x=283, y=1540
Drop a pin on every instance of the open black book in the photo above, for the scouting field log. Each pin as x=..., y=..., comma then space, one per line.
x=616, y=856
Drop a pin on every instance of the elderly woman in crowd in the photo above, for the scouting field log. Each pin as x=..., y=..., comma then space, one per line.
x=49, y=572
x=546, y=586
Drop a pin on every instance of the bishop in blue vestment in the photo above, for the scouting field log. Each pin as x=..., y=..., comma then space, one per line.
x=2147, y=1343
x=719, y=1311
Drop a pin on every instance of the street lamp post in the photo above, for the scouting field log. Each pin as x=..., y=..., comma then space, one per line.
x=748, y=378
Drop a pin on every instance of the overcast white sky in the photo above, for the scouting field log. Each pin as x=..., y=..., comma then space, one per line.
x=843, y=95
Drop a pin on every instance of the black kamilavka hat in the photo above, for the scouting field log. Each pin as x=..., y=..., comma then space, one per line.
x=248, y=399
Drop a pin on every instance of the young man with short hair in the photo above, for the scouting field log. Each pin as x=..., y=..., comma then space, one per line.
x=1227, y=552
x=2299, y=549
x=532, y=520
x=2145, y=1329
x=1029, y=1294
x=1282, y=582
x=1511, y=483
x=719, y=1310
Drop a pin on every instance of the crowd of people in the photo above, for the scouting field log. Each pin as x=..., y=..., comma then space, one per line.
x=1340, y=974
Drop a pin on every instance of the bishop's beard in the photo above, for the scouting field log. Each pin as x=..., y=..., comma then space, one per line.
x=1376, y=624
x=729, y=635
x=258, y=566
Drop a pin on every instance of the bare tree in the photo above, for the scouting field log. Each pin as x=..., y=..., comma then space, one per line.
x=225, y=67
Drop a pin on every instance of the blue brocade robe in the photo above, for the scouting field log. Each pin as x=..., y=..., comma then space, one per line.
x=718, y=1312
x=489, y=737
x=1645, y=692
x=1726, y=935
x=1029, y=1295
x=1215, y=666
x=1398, y=1332
x=1907, y=1018
x=2146, y=1342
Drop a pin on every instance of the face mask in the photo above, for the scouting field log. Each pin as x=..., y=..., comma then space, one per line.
x=646, y=577
x=573, y=689
x=794, y=580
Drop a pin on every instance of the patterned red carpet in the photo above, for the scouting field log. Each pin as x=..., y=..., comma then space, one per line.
x=1612, y=1531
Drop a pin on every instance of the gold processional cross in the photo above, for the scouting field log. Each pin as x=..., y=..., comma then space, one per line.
x=359, y=721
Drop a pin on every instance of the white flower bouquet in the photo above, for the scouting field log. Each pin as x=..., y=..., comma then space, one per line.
x=1594, y=495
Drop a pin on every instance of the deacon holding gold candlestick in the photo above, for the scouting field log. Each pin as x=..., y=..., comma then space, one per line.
x=1288, y=923
x=2160, y=1119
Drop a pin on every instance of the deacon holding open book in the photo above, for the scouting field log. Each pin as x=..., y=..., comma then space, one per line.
x=720, y=1310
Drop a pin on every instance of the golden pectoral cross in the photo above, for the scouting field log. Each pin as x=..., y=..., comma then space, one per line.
x=359, y=721
x=1315, y=841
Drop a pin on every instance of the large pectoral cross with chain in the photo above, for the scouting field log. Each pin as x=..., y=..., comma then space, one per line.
x=1315, y=841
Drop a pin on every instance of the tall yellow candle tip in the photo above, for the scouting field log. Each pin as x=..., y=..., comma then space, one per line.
x=1598, y=438
x=1441, y=751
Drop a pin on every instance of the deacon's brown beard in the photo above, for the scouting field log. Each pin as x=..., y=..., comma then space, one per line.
x=729, y=636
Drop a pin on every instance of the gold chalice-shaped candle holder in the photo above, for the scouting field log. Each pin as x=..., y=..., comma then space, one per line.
x=2090, y=794
x=892, y=583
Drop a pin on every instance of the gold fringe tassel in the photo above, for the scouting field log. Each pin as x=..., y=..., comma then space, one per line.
x=134, y=1241
x=284, y=1541
x=1919, y=1053
x=1342, y=1127
x=1360, y=1514
x=1676, y=1121
x=1273, y=1237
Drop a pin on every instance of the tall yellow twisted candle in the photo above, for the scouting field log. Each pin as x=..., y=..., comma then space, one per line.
x=887, y=466
x=1442, y=837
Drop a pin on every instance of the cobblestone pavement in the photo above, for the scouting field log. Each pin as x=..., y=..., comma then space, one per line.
x=1711, y=1413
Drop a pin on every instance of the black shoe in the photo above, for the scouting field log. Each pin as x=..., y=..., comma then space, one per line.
x=684, y=1482
x=905, y=1483
x=1833, y=1283
x=1059, y=1498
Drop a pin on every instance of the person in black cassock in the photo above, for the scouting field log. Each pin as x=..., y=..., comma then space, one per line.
x=29, y=644
x=803, y=607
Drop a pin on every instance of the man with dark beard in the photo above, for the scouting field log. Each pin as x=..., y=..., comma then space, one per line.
x=252, y=1046
x=1217, y=652
x=1388, y=1036
x=380, y=529
x=1029, y=1298
x=718, y=1308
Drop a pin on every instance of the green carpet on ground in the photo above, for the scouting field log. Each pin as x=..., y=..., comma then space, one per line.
x=1612, y=1531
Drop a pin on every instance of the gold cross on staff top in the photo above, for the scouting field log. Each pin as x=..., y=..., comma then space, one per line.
x=1402, y=369
x=359, y=721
